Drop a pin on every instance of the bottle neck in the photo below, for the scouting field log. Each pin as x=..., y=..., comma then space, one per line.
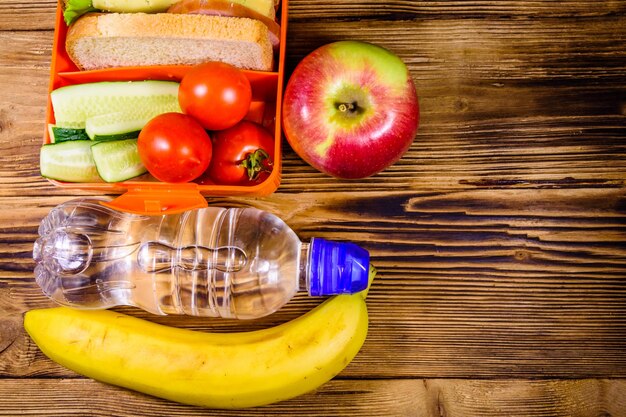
x=303, y=267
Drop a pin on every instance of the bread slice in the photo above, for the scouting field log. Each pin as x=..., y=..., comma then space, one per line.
x=107, y=40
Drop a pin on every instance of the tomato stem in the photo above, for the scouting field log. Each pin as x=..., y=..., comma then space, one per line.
x=257, y=162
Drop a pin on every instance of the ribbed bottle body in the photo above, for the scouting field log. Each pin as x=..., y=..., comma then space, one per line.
x=237, y=262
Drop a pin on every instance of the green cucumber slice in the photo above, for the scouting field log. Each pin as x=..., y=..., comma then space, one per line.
x=114, y=126
x=119, y=125
x=74, y=104
x=62, y=134
x=69, y=161
x=117, y=160
x=133, y=134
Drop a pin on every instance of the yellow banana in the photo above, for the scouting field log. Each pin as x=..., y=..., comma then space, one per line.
x=217, y=370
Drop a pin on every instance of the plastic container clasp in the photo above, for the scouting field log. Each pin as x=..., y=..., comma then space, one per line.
x=158, y=199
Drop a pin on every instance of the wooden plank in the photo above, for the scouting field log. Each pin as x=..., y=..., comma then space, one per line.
x=27, y=16
x=410, y=9
x=39, y=14
x=367, y=398
x=525, y=282
x=451, y=51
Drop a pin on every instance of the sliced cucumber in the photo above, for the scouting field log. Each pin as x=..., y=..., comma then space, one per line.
x=69, y=161
x=133, y=6
x=62, y=134
x=74, y=104
x=114, y=126
x=119, y=125
x=117, y=160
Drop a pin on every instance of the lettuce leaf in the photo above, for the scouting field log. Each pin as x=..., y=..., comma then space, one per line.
x=76, y=8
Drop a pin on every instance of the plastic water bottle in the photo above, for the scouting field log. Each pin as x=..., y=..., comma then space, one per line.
x=236, y=262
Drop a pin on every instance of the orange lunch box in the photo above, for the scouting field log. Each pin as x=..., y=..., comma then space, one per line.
x=145, y=194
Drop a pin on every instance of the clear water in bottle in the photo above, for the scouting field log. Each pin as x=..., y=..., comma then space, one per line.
x=237, y=262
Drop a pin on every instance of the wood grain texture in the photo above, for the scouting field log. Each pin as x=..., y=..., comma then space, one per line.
x=39, y=14
x=410, y=9
x=20, y=15
x=398, y=398
x=465, y=277
x=500, y=237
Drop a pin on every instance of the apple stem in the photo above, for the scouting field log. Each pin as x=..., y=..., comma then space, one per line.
x=346, y=107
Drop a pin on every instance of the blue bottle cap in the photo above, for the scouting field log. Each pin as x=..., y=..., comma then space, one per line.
x=337, y=268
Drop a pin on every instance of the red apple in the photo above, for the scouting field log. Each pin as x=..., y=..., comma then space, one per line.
x=350, y=109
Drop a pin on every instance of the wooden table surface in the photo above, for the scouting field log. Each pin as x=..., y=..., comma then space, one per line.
x=500, y=237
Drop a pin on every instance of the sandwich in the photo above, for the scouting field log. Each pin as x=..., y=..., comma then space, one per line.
x=118, y=33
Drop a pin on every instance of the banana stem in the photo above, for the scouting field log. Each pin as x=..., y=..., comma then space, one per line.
x=372, y=274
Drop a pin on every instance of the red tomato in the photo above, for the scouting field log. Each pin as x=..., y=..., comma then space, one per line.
x=174, y=148
x=216, y=94
x=242, y=155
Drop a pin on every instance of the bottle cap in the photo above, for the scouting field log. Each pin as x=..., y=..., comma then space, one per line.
x=337, y=268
